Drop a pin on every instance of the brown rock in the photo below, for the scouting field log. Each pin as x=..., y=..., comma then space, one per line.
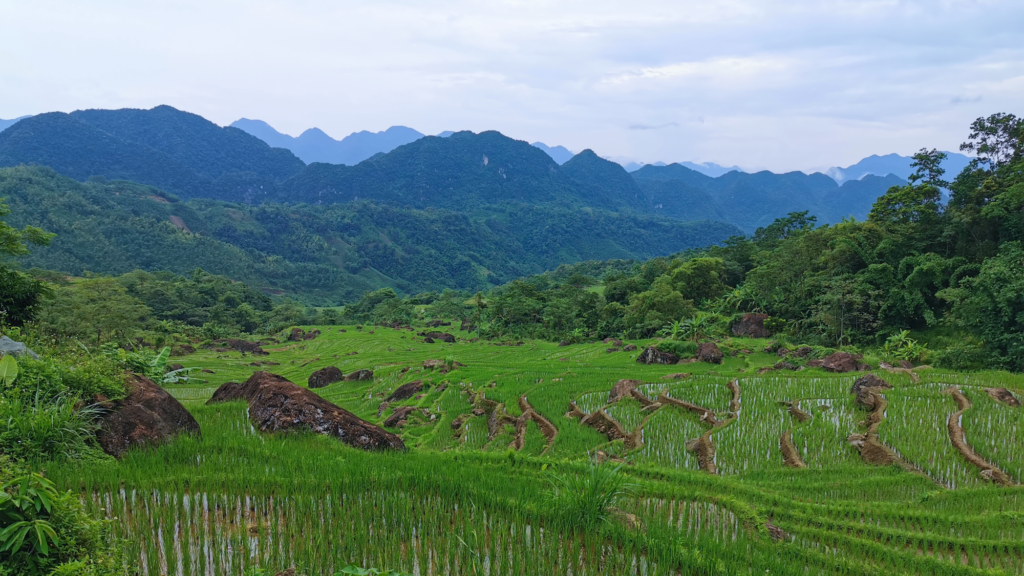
x=868, y=381
x=442, y=336
x=359, y=376
x=325, y=376
x=652, y=355
x=399, y=416
x=296, y=335
x=803, y=351
x=783, y=365
x=752, y=326
x=709, y=352
x=173, y=367
x=276, y=404
x=563, y=343
x=629, y=348
x=406, y=391
x=428, y=340
x=622, y=389
x=906, y=364
x=313, y=334
x=676, y=376
x=1003, y=395
x=841, y=362
x=148, y=416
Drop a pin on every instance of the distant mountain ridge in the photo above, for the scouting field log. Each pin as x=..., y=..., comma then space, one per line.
x=559, y=154
x=5, y=124
x=314, y=145
x=893, y=164
x=706, y=168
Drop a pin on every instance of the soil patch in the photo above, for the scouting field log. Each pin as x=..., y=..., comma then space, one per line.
x=1003, y=395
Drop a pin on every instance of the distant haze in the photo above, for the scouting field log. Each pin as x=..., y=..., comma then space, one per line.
x=782, y=85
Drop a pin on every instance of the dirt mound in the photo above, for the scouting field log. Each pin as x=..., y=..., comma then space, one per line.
x=148, y=416
x=359, y=376
x=622, y=389
x=276, y=404
x=704, y=414
x=1003, y=395
x=751, y=326
x=709, y=352
x=868, y=381
x=959, y=440
x=575, y=412
x=841, y=362
x=605, y=424
x=790, y=455
x=314, y=334
x=325, y=376
x=734, y=387
x=399, y=416
x=652, y=355
x=705, y=451
x=406, y=391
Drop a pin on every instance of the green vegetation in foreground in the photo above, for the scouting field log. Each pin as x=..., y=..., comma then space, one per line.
x=240, y=499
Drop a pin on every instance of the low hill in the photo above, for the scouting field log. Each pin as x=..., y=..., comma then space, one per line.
x=323, y=254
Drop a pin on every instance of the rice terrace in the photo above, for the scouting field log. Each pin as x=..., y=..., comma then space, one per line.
x=725, y=468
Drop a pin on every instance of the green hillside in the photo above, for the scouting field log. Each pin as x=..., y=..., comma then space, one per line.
x=323, y=254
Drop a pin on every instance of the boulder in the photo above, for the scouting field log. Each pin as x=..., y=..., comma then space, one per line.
x=406, y=391
x=173, y=367
x=276, y=404
x=149, y=416
x=313, y=334
x=709, y=352
x=783, y=365
x=9, y=347
x=563, y=343
x=428, y=340
x=622, y=389
x=841, y=362
x=359, y=376
x=629, y=348
x=296, y=335
x=676, y=376
x=906, y=364
x=752, y=326
x=467, y=326
x=868, y=381
x=325, y=376
x=652, y=355
x=399, y=416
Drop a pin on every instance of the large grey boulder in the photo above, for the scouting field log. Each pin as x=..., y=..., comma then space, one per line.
x=12, y=348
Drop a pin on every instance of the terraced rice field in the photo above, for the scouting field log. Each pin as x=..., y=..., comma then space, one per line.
x=712, y=490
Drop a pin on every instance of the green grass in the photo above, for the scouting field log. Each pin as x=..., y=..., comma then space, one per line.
x=233, y=498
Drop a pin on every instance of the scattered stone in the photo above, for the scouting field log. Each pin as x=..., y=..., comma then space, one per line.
x=428, y=340
x=751, y=326
x=610, y=350
x=9, y=347
x=622, y=389
x=325, y=376
x=1003, y=395
x=314, y=334
x=359, y=376
x=783, y=365
x=782, y=352
x=563, y=343
x=182, y=350
x=803, y=351
x=907, y=364
x=709, y=352
x=442, y=336
x=629, y=348
x=148, y=416
x=652, y=355
x=276, y=404
x=296, y=335
x=406, y=391
x=173, y=367
x=253, y=348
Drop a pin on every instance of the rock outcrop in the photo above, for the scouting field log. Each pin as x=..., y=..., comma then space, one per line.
x=406, y=391
x=709, y=352
x=149, y=416
x=359, y=376
x=12, y=348
x=840, y=362
x=652, y=355
x=276, y=404
x=752, y=326
x=622, y=389
x=325, y=376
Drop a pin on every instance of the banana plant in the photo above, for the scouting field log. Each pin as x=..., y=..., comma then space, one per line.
x=8, y=370
x=25, y=507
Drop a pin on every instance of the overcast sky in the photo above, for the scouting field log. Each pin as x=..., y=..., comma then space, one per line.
x=783, y=85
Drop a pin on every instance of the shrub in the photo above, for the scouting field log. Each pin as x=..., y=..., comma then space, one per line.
x=681, y=349
x=586, y=500
x=962, y=357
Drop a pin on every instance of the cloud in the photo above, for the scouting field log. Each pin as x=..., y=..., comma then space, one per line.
x=786, y=84
x=653, y=127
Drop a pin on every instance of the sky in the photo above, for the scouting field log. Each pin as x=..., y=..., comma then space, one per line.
x=763, y=84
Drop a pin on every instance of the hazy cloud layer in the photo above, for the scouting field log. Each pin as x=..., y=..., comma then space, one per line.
x=778, y=84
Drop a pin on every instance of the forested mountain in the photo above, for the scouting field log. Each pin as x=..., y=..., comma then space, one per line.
x=314, y=145
x=462, y=172
x=323, y=254
x=191, y=157
x=176, y=151
x=751, y=201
